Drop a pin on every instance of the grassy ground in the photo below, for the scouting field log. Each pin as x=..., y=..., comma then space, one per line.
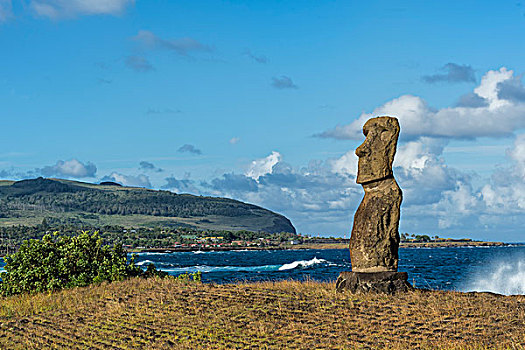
x=211, y=222
x=161, y=314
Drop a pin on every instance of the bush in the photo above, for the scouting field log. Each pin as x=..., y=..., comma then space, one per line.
x=57, y=262
x=151, y=271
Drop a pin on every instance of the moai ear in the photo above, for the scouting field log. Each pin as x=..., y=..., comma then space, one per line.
x=386, y=135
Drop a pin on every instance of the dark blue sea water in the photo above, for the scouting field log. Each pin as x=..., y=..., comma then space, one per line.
x=496, y=269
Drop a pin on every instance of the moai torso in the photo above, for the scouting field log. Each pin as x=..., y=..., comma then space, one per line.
x=374, y=242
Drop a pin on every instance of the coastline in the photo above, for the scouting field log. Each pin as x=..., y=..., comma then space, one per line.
x=317, y=246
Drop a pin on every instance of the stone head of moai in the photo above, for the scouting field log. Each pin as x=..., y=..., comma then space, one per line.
x=376, y=154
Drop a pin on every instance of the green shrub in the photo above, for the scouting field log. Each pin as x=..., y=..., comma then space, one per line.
x=57, y=262
x=189, y=277
x=151, y=271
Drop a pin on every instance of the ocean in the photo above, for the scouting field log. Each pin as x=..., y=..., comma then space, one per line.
x=495, y=269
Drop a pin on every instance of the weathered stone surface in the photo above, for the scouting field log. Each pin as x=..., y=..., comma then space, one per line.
x=387, y=282
x=374, y=242
x=376, y=153
x=375, y=239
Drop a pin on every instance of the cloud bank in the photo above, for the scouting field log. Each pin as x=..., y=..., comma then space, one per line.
x=494, y=109
x=322, y=196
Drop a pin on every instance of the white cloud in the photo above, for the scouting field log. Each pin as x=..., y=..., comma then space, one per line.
x=415, y=156
x=129, y=180
x=488, y=89
x=517, y=154
x=260, y=167
x=411, y=157
x=70, y=168
x=6, y=10
x=346, y=164
x=499, y=117
x=437, y=198
x=442, y=197
x=323, y=196
x=506, y=192
x=314, y=197
x=422, y=173
x=70, y=8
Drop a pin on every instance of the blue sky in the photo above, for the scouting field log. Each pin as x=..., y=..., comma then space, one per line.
x=263, y=101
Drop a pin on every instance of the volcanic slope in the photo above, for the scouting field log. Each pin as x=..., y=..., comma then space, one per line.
x=28, y=202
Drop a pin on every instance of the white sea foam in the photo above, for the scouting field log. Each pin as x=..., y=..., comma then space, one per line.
x=302, y=263
x=206, y=268
x=144, y=262
x=507, y=277
x=150, y=253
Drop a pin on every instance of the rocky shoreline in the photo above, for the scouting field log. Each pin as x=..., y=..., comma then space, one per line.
x=451, y=244
x=317, y=246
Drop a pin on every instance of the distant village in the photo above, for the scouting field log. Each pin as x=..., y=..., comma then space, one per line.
x=196, y=241
x=189, y=239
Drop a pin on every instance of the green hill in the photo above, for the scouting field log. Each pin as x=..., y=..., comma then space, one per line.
x=28, y=202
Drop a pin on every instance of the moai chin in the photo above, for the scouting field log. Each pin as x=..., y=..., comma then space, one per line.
x=374, y=242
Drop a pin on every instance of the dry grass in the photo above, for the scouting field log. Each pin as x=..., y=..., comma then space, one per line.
x=161, y=314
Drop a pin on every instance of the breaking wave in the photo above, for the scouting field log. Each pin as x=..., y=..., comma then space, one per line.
x=170, y=268
x=206, y=268
x=506, y=277
x=144, y=262
x=302, y=264
x=150, y=253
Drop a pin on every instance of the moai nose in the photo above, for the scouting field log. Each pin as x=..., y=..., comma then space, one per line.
x=362, y=150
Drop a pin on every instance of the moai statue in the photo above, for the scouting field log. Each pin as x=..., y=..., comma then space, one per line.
x=374, y=242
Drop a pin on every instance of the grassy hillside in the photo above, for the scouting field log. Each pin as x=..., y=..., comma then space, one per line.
x=165, y=314
x=28, y=202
